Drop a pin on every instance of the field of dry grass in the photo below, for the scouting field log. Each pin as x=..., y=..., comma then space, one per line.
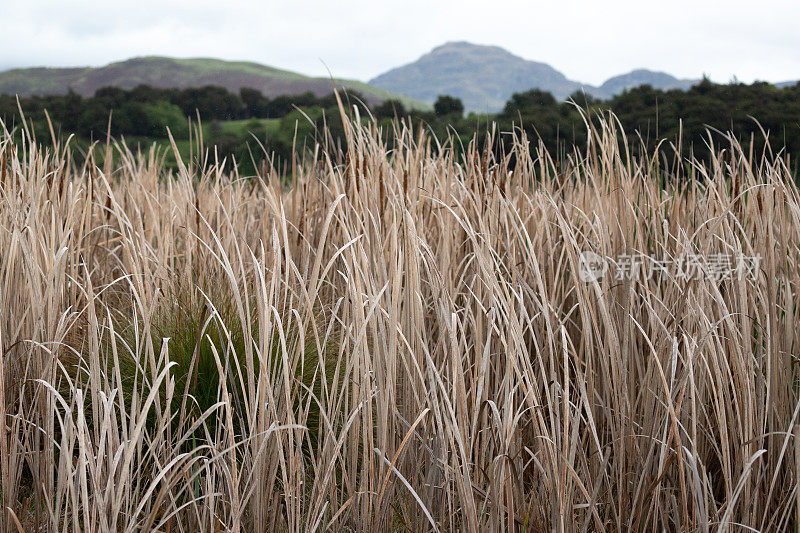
x=397, y=339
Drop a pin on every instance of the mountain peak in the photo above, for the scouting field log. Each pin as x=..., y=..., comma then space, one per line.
x=466, y=46
x=449, y=45
x=483, y=76
x=642, y=76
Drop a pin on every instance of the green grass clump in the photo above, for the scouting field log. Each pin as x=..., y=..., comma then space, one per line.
x=210, y=349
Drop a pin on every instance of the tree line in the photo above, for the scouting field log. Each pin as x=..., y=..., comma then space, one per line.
x=145, y=113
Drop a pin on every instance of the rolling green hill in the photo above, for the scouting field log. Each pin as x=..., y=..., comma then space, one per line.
x=168, y=72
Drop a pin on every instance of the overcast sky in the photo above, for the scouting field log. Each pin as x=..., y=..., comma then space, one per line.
x=588, y=40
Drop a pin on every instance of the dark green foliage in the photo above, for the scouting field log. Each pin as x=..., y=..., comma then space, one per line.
x=211, y=102
x=255, y=103
x=389, y=109
x=447, y=106
x=283, y=105
x=144, y=113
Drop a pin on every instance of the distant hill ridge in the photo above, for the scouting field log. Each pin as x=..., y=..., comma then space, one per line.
x=638, y=77
x=166, y=72
x=485, y=77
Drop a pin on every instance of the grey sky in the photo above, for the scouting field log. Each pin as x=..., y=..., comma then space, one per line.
x=587, y=40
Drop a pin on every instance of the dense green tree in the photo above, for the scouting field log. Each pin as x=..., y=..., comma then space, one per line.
x=446, y=106
x=211, y=102
x=280, y=106
x=389, y=109
x=255, y=103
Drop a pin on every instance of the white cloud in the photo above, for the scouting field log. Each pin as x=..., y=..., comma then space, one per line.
x=587, y=40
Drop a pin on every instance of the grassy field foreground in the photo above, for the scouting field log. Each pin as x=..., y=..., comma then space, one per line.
x=396, y=340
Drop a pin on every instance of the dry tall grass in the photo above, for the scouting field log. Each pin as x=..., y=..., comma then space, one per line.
x=396, y=340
